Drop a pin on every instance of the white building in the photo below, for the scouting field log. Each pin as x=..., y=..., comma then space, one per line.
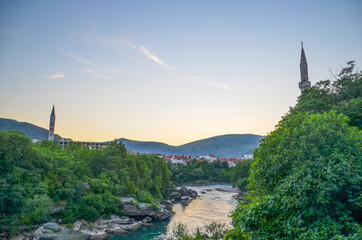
x=208, y=157
x=177, y=161
x=248, y=156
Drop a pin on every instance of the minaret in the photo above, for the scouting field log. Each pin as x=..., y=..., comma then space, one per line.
x=304, y=83
x=52, y=125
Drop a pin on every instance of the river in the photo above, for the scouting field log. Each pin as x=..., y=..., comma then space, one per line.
x=211, y=205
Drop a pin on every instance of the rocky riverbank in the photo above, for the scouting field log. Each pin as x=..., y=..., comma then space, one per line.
x=136, y=215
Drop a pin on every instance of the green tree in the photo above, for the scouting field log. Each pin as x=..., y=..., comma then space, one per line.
x=305, y=182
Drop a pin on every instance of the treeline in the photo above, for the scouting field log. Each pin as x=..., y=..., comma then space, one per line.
x=40, y=182
x=305, y=181
x=200, y=171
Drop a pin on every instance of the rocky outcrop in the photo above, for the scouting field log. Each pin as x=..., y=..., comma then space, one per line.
x=145, y=213
x=54, y=231
x=187, y=193
x=82, y=230
x=159, y=212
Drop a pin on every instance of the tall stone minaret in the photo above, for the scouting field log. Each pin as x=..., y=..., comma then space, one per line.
x=304, y=80
x=52, y=125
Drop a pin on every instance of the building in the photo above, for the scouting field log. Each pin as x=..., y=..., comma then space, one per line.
x=52, y=125
x=304, y=79
x=64, y=142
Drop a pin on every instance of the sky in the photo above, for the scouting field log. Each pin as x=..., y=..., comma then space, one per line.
x=169, y=71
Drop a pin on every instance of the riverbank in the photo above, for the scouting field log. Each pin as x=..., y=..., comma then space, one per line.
x=136, y=215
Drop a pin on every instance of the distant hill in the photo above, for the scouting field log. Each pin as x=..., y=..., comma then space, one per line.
x=231, y=145
x=31, y=130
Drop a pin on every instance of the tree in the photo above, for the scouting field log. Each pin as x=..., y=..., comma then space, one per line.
x=344, y=95
x=305, y=182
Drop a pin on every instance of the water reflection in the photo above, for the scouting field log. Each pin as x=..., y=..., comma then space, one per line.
x=212, y=205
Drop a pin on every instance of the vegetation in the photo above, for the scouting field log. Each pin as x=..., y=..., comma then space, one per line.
x=240, y=173
x=202, y=171
x=214, y=230
x=40, y=182
x=305, y=181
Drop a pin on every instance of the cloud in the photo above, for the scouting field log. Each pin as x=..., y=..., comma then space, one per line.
x=57, y=75
x=10, y=34
x=79, y=59
x=209, y=82
x=221, y=85
x=146, y=52
x=96, y=71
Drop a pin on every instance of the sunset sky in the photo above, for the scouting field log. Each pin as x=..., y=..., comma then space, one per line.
x=170, y=71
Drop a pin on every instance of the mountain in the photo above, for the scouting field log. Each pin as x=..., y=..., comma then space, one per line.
x=31, y=130
x=231, y=145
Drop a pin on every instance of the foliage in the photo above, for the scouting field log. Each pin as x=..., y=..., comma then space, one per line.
x=343, y=95
x=40, y=182
x=200, y=171
x=305, y=181
x=240, y=173
x=214, y=230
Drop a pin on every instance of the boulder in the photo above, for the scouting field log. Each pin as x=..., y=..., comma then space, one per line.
x=147, y=220
x=185, y=198
x=146, y=210
x=54, y=231
x=133, y=226
x=95, y=234
x=183, y=191
x=123, y=220
x=193, y=193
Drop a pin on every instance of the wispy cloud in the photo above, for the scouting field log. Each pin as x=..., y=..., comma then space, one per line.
x=57, y=75
x=96, y=71
x=79, y=59
x=118, y=43
x=10, y=34
x=209, y=82
x=146, y=52
x=221, y=85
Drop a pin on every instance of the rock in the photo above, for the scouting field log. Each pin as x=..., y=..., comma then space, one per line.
x=54, y=231
x=77, y=226
x=183, y=191
x=133, y=226
x=123, y=220
x=52, y=226
x=203, y=192
x=175, y=195
x=193, y=193
x=146, y=210
x=185, y=198
x=147, y=220
x=95, y=234
x=116, y=230
x=128, y=200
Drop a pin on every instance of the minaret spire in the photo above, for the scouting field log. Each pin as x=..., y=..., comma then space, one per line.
x=304, y=79
x=52, y=125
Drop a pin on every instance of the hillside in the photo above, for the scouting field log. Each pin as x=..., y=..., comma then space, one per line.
x=29, y=129
x=231, y=145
